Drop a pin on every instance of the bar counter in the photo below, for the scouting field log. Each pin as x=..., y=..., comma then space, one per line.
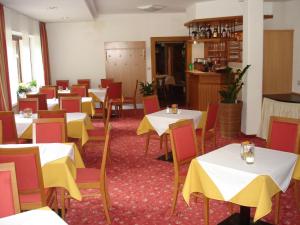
x=203, y=88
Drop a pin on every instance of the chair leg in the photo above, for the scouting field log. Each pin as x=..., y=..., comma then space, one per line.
x=63, y=209
x=105, y=204
x=147, y=143
x=277, y=207
x=55, y=202
x=161, y=140
x=202, y=147
x=296, y=191
x=206, y=211
x=166, y=146
x=175, y=196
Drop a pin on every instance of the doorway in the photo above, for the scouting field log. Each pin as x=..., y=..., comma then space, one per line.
x=169, y=58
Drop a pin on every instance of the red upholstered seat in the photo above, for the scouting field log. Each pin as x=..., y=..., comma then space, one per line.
x=50, y=91
x=106, y=82
x=31, y=103
x=114, y=96
x=87, y=175
x=80, y=90
x=49, y=130
x=42, y=100
x=34, y=197
x=151, y=104
x=70, y=104
x=9, y=130
x=85, y=82
x=6, y=194
x=64, y=84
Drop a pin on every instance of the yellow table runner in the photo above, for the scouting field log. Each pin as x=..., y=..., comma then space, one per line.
x=257, y=194
x=62, y=173
x=145, y=126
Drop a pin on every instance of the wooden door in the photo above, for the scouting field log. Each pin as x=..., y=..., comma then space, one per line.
x=126, y=63
x=278, y=61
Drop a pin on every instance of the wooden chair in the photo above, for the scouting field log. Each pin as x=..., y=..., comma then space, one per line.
x=42, y=100
x=59, y=95
x=99, y=133
x=47, y=130
x=184, y=149
x=10, y=135
x=151, y=105
x=32, y=193
x=209, y=128
x=70, y=104
x=52, y=114
x=114, y=95
x=284, y=135
x=31, y=103
x=80, y=90
x=9, y=191
x=62, y=83
x=132, y=99
x=1, y=131
x=50, y=91
x=104, y=83
x=88, y=178
x=85, y=82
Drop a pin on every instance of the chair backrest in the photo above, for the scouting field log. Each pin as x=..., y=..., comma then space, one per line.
x=52, y=114
x=59, y=95
x=70, y=104
x=9, y=130
x=135, y=89
x=284, y=134
x=114, y=90
x=183, y=141
x=105, y=154
x=85, y=82
x=42, y=100
x=9, y=191
x=51, y=130
x=212, y=116
x=28, y=170
x=31, y=103
x=151, y=104
x=50, y=91
x=106, y=82
x=81, y=90
x=107, y=119
x=64, y=84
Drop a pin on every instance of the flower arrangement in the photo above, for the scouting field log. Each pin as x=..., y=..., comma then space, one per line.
x=24, y=88
x=146, y=88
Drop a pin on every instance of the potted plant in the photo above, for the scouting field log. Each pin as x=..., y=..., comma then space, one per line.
x=146, y=88
x=230, y=107
x=23, y=88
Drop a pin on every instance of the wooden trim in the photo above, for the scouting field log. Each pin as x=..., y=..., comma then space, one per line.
x=214, y=20
x=154, y=40
x=1, y=131
x=11, y=167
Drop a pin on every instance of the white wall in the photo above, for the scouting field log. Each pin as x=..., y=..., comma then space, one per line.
x=16, y=23
x=286, y=16
x=77, y=49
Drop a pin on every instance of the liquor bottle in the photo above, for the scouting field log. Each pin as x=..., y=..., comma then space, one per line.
x=215, y=33
x=227, y=31
x=224, y=33
x=208, y=32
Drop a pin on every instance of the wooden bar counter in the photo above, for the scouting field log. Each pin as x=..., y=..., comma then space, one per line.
x=203, y=88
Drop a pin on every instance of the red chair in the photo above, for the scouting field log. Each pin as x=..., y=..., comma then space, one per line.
x=42, y=100
x=184, y=149
x=51, y=130
x=104, y=83
x=132, y=99
x=31, y=103
x=70, y=104
x=32, y=193
x=9, y=130
x=52, y=114
x=92, y=178
x=80, y=90
x=209, y=128
x=64, y=84
x=50, y=91
x=9, y=191
x=114, y=95
x=85, y=82
x=284, y=135
x=1, y=131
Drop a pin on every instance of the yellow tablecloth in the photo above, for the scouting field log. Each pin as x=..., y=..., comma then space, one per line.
x=76, y=129
x=62, y=173
x=145, y=126
x=86, y=107
x=257, y=194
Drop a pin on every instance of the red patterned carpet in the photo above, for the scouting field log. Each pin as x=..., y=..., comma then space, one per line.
x=141, y=187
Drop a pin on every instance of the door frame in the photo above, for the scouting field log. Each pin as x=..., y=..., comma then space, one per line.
x=154, y=40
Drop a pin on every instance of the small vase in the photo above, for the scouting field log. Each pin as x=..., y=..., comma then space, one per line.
x=22, y=95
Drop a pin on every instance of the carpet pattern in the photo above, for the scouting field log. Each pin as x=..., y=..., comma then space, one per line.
x=141, y=187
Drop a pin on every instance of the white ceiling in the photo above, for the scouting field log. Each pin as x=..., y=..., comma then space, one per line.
x=83, y=10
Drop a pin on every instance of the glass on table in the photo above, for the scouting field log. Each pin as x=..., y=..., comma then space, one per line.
x=247, y=152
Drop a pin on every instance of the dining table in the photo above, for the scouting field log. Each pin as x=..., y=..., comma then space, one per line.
x=223, y=175
x=59, y=162
x=77, y=126
x=41, y=216
x=159, y=122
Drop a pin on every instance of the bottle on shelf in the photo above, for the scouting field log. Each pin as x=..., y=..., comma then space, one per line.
x=208, y=32
x=215, y=33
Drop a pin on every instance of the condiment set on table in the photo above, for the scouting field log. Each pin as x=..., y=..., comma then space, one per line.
x=173, y=109
x=247, y=152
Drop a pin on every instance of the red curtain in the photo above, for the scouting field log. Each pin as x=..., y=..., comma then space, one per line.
x=45, y=53
x=5, y=99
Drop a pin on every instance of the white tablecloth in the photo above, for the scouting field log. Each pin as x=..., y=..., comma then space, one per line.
x=161, y=120
x=99, y=93
x=43, y=216
x=48, y=151
x=67, y=91
x=231, y=174
x=23, y=123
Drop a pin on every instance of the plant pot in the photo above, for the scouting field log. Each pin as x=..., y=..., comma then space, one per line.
x=230, y=119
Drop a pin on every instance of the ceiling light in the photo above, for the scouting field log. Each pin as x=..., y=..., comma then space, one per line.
x=151, y=8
